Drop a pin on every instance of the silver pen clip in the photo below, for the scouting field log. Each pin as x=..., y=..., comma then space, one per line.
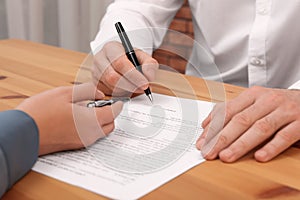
x=101, y=103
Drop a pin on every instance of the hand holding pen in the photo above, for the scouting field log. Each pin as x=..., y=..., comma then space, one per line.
x=115, y=75
x=130, y=53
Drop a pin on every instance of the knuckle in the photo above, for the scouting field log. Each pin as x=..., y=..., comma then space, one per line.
x=242, y=119
x=219, y=107
x=293, y=106
x=242, y=144
x=111, y=78
x=254, y=91
x=98, y=71
x=213, y=129
x=275, y=98
x=220, y=114
x=109, y=45
x=256, y=88
x=96, y=63
x=96, y=79
x=223, y=139
x=152, y=61
x=263, y=126
x=286, y=137
x=98, y=66
x=228, y=111
x=112, y=50
x=64, y=90
x=119, y=63
x=106, y=46
x=292, y=110
x=216, y=106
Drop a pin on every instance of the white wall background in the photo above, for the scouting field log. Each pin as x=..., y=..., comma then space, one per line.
x=70, y=24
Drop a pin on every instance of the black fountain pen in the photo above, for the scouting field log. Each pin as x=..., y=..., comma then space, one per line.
x=131, y=54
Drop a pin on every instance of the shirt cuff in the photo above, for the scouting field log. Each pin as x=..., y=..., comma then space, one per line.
x=295, y=85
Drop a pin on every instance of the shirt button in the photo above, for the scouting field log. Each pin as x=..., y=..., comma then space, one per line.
x=256, y=61
x=263, y=11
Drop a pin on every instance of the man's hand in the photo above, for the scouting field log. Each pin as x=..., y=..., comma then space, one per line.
x=115, y=75
x=63, y=123
x=258, y=116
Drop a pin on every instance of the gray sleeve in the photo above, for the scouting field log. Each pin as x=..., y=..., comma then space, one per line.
x=19, y=145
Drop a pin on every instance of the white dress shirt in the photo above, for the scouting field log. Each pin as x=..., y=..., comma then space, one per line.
x=251, y=42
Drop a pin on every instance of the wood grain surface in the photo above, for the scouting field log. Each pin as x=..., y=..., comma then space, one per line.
x=28, y=68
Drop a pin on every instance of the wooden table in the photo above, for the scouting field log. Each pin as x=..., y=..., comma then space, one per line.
x=28, y=68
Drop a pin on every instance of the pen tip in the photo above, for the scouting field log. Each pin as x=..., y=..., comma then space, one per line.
x=150, y=97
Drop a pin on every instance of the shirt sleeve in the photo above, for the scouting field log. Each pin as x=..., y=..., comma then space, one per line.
x=19, y=144
x=145, y=22
x=295, y=85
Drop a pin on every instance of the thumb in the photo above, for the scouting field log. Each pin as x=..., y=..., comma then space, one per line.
x=117, y=108
x=107, y=114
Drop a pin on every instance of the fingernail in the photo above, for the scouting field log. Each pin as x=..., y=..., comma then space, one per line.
x=205, y=150
x=261, y=155
x=144, y=87
x=200, y=143
x=139, y=90
x=227, y=154
x=117, y=108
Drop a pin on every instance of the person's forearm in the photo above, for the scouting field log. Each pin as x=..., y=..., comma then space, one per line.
x=19, y=143
x=145, y=23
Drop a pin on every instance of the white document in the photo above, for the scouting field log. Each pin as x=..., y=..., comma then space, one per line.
x=150, y=145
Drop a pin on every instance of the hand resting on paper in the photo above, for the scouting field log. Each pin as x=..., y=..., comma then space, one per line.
x=258, y=116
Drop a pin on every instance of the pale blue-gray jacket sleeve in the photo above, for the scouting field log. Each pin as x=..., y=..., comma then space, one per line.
x=19, y=144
